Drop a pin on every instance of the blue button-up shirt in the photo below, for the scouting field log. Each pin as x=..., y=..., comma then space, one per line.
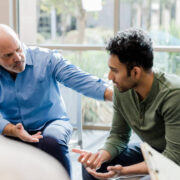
x=34, y=97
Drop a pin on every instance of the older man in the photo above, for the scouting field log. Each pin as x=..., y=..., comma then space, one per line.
x=31, y=105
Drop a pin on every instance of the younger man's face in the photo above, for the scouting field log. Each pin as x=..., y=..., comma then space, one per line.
x=118, y=74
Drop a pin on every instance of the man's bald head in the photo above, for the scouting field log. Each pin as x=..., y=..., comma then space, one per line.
x=7, y=32
x=7, y=36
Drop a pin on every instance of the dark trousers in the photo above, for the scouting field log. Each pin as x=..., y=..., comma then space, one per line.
x=131, y=155
x=56, y=136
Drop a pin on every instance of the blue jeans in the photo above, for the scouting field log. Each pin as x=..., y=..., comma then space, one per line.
x=131, y=155
x=60, y=133
x=56, y=136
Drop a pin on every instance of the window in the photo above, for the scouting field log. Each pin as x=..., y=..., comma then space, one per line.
x=66, y=22
x=159, y=17
x=74, y=26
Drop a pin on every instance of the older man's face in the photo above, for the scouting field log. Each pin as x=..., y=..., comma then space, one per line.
x=12, y=57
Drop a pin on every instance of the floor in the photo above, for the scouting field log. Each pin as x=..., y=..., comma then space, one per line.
x=92, y=140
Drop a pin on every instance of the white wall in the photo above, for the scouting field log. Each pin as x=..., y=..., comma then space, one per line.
x=4, y=12
x=28, y=21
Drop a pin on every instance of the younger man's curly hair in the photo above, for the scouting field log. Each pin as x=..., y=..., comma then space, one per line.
x=133, y=48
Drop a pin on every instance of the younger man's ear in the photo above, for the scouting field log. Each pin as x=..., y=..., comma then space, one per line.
x=136, y=72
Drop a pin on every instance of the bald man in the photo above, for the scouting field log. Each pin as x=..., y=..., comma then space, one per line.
x=32, y=109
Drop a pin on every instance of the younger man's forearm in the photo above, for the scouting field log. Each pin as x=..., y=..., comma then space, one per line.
x=140, y=168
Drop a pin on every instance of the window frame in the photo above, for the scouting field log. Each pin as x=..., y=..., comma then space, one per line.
x=78, y=47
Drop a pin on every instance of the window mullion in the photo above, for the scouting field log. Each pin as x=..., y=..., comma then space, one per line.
x=116, y=16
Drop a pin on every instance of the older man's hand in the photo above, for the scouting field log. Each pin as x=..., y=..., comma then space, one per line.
x=19, y=131
x=108, y=94
x=25, y=136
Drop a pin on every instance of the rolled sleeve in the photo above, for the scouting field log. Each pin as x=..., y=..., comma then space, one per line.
x=102, y=91
x=3, y=123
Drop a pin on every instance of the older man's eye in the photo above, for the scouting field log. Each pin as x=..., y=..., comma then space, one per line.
x=8, y=55
x=19, y=50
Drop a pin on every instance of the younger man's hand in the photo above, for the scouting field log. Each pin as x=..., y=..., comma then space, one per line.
x=92, y=160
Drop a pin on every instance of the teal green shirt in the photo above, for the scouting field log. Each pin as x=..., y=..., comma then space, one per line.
x=156, y=119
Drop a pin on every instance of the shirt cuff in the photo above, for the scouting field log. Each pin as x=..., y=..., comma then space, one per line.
x=3, y=123
x=101, y=91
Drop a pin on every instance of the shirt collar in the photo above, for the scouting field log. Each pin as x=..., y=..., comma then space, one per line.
x=152, y=94
x=154, y=90
x=27, y=55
